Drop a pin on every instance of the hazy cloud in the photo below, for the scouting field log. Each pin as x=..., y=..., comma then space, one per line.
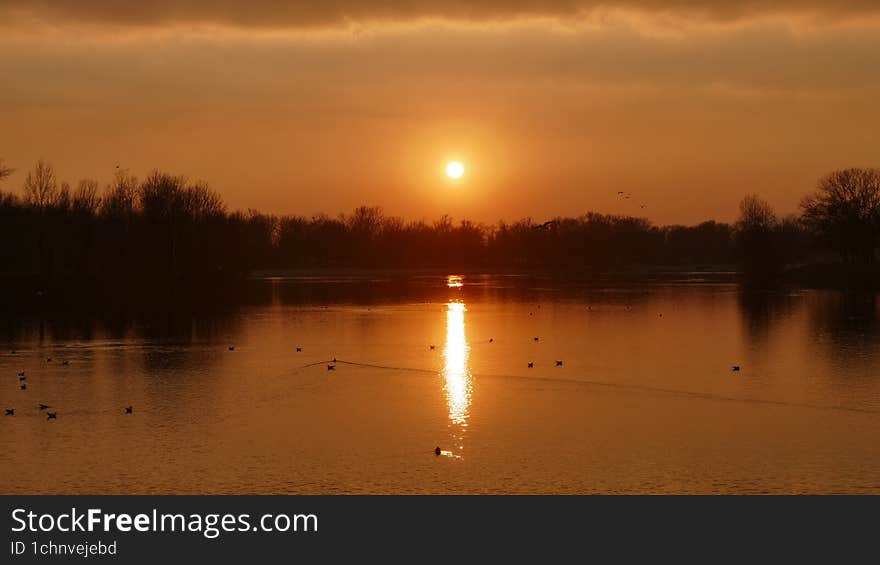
x=549, y=118
x=272, y=13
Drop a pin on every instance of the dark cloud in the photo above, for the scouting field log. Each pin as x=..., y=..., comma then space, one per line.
x=273, y=13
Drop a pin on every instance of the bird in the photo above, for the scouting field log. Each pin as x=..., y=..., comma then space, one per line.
x=48, y=359
x=21, y=373
x=545, y=226
x=535, y=338
x=22, y=378
x=735, y=368
x=231, y=348
x=51, y=415
x=334, y=359
x=299, y=349
x=558, y=363
x=437, y=450
x=23, y=386
x=331, y=367
x=10, y=411
x=491, y=339
x=432, y=347
x=65, y=362
x=531, y=364
x=44, y=406
x=129, y=409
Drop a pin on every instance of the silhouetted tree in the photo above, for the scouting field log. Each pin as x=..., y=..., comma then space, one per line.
x=167, y=235
x=756, y=235
x=86, y=199
x=844, y=212
x=40, y=186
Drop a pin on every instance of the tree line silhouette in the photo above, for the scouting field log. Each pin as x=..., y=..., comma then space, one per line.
x=165, y=234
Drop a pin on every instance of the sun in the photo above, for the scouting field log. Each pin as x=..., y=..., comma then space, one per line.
x=454, y=169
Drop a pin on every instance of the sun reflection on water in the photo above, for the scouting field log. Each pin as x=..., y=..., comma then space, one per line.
x=456, y=372
x=455, y=281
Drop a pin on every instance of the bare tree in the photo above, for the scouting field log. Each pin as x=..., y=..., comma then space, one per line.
x=40, y=186
x=757, y=235
x=86, y=198
x=63, y=198
x=120, y=199
x=200, y=202
x=845, y=212
x=755, y=215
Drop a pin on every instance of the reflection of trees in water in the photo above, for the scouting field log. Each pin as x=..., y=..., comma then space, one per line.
x=167, y=326
x=391, y=289
x=847, y=325
x=761, y=310
x=165, y=360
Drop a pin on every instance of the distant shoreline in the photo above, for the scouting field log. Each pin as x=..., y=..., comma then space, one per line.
x=661, y=271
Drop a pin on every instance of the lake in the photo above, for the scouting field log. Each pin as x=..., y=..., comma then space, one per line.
x=644, y=398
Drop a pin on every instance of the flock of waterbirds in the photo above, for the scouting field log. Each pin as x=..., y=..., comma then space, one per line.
x=50, y=415
x=530, y=365
x=331, y=366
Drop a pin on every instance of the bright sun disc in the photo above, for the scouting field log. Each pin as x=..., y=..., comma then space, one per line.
x=454, y=170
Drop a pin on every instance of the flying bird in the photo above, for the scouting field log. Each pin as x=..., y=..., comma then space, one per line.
x=531, y=364
x=10, y=411
x=43, y=406
x=545, y=226
x=129, y=409
x=558, y=363
x=51, y=415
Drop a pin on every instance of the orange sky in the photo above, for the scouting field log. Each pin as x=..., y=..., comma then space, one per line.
x=552, y=106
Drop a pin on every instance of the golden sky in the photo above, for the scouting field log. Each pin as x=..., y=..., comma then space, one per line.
x=553, y=107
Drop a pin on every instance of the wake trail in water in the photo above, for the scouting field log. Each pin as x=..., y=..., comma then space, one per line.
x=631, y=387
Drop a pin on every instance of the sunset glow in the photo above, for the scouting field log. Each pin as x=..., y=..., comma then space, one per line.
x=302, y=111
x=454, y=170
x=396, y=247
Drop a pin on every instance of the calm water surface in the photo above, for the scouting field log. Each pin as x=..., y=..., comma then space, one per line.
x=645, y=400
